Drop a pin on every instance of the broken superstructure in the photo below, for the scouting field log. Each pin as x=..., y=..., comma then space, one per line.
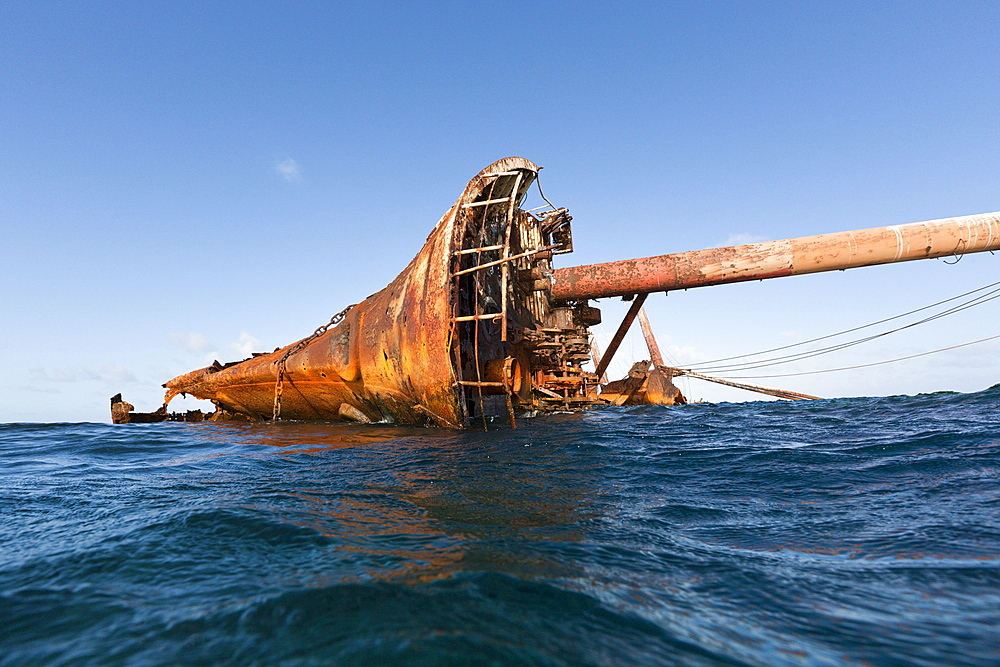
x=480, y=325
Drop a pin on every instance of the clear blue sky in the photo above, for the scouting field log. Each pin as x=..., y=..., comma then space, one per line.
x=188, y=181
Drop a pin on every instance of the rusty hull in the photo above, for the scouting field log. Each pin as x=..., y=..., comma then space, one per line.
x=644, y=386
x=465, y=331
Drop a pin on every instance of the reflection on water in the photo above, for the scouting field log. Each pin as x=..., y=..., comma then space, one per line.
x=408, y=503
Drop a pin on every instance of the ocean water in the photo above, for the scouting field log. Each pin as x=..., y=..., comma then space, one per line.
x=844, y=531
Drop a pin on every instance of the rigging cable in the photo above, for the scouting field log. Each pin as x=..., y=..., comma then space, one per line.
x=845, y=331
x=775, y=361
x=876, y=363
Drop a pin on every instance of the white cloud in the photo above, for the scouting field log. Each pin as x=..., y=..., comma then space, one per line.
x=289, y=170
x=246, y=345
x=116, y=373
x=65, y=374
x=684, y=355
x=192, y=342
x=108, y=373
x=39, y=390
x=742, y=239
x=199, y=344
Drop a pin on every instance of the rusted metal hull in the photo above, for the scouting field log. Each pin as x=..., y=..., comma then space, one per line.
x=643, y=386
x=462, y=332
x=479, y=324
x=122, y=412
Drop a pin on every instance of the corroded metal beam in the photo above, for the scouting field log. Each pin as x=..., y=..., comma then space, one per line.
x=647, y=332
x=619, y=336
x=779, y=393
x=774, y=259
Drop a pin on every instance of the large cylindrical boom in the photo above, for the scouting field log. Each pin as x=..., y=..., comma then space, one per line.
x=788, y=257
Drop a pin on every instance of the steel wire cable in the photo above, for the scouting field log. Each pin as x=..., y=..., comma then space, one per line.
x=711, y=362
x=774, y=361
x=875, y=363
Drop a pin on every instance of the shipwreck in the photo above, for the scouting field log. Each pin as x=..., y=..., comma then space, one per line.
x=481, y=324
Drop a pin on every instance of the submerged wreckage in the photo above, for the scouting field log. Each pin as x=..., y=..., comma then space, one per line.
x=480, y=324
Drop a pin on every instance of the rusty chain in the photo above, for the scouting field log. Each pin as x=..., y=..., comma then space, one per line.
x=296, y=347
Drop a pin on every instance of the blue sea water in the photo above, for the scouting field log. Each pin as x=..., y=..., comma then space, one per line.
x=844, y=531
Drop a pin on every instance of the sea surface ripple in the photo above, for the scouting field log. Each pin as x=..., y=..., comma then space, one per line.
x=843, y=531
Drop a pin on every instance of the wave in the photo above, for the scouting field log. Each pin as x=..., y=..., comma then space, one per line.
x=859, y=529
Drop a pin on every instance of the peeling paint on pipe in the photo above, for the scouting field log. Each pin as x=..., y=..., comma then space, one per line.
x=774, y=259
